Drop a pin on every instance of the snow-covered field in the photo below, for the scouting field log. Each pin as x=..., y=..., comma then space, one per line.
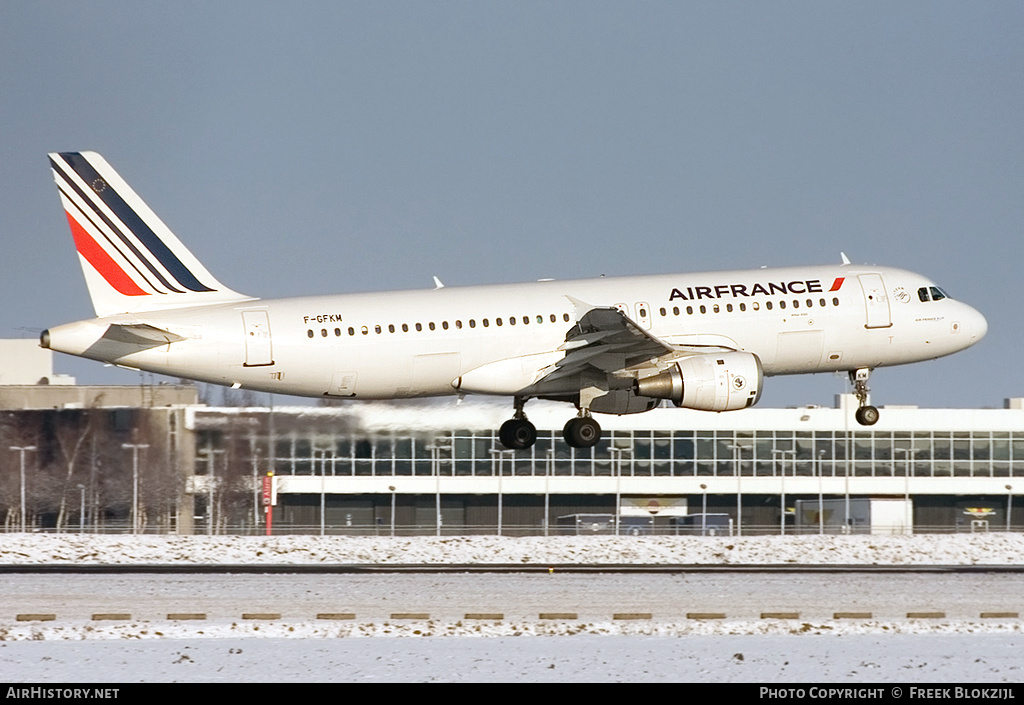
x=819, y=650
x=922, y=549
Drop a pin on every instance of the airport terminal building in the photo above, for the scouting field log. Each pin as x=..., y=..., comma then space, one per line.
x=438, y=468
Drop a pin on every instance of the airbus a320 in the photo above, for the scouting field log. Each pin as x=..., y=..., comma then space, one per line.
x=611, y=345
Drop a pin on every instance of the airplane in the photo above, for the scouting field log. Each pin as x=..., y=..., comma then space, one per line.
x=610, y=345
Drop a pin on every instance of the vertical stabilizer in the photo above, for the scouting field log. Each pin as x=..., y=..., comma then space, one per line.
x=131, y=260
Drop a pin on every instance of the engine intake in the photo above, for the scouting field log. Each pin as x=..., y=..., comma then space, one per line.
x=709, y=382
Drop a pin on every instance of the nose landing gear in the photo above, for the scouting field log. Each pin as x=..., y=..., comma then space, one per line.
x=866, y=414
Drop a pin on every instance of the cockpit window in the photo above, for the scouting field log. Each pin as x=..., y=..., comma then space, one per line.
x=931, y=293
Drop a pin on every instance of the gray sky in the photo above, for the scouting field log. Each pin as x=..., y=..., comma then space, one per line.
x=328, y=147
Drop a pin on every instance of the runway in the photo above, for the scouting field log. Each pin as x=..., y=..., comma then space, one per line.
x=656, y=597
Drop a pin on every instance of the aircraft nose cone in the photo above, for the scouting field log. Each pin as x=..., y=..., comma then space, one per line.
x=977, y=325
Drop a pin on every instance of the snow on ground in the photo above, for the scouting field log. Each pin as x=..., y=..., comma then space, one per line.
x=921, y=549
x=560, y=651
x=816, y=661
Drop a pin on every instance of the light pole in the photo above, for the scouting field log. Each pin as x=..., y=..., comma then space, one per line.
x=1009, y=505
x=81, y=509
x=821, y=494
x=547, y=488
x=22, y=450
x=498, y=456
x=617, y=454
x=435, y=449
x=210, y=453
x=703, y=509
x=737, y=451
x=782, y=485
x=392, y=490
x=134, y=447
x=908, y=516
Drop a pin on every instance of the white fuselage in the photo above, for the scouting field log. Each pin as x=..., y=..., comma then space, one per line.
x=430, y=342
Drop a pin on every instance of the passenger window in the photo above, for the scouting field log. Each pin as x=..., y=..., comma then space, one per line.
x=553, y=318
x=768, y=305
x=782, y=304
x=364, y=330
x=822, y=302
x=715, y=308
x=486, y=323
x=337, y=332
x=743, y=307
x=376, y=329
x=323, y=332
x=405, y=327
x=419, y=327
x=703, y=308
x=511, y=320
x=497, y=322
x=689, y=310
x=675, y=310
x=565, y=317
x=458, y=324
x=351, y=331
x=472, y=323
x=391, y=328
x=310, y=332
x=756, y=306
x=810, y=303
x=431, y=325
x=796, y=304
x=835, y=301
x=444, y=324
x=728, y=307
x=663, y=312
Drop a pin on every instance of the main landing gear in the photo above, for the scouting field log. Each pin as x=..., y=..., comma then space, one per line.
x=519, y=434
x=582, y=431
x=866, y=415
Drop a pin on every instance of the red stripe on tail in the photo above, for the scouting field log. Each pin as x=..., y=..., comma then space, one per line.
x=102, y=262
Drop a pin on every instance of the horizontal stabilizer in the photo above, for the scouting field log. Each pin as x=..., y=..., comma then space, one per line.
x=141, y=334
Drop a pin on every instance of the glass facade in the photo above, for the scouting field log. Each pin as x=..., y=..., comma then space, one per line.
x=636, y=453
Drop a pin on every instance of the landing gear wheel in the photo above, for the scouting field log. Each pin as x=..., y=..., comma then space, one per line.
x=867, y=416
x=517, y=434
x=582, y=432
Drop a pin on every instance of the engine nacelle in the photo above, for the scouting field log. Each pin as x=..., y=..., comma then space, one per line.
x=708, y=382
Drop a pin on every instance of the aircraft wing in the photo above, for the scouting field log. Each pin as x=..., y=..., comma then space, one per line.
x=607, y=341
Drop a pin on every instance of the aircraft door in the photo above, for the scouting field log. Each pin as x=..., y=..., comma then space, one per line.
x=258, y=349
x=876, y=302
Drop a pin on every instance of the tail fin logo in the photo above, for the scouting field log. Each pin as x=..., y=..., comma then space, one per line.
x=126, y=250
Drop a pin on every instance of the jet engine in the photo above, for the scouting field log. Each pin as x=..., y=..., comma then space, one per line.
x=708, y=382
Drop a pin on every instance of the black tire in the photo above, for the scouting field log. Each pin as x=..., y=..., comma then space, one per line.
x=582, y=432
x=867, y=416
x=517, y=434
